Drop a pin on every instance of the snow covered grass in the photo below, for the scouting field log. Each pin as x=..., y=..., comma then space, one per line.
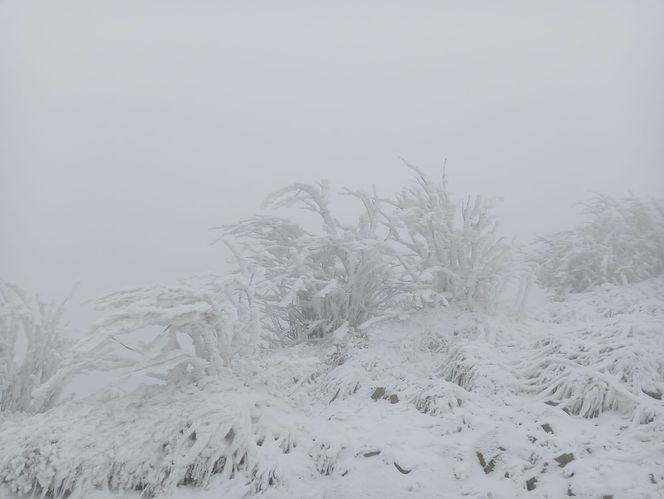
x=152, y=440
x=444, y=403
x=606, y=356
x=591, y=372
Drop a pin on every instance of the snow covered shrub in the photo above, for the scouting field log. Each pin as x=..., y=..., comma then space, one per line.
x=622, y=242
x=219, y=319
x=311, y=284
x=448, y=255
x=34, y=324
x=413, y=249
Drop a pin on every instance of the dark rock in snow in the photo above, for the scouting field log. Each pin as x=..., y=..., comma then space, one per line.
x=564, y=459
x=378, y=393
x=488, y=467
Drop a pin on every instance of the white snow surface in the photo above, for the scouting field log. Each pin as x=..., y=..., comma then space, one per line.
x=563, y=402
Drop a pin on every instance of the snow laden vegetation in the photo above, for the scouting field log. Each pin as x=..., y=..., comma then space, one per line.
x=414, y=249
x=377, y=359
x=32, y=350
x=622, y=241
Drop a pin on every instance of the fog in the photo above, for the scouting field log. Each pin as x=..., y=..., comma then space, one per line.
x=128, y=129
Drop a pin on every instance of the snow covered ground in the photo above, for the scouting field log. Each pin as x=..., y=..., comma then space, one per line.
x=565, y=401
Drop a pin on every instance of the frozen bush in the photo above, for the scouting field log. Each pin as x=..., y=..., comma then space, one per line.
x=311, y=284
x=219, y=319
x=447, y=254
x=413, y=249
x=36, y=325
x=621, y=242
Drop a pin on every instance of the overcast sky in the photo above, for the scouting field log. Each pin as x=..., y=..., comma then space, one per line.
x=127, y=128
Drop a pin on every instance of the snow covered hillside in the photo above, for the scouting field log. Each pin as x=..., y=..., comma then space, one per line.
x=443, y=403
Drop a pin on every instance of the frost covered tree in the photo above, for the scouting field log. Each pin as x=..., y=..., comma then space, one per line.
x=447, y=254
x=310, y=284
x=621, y=242
x=32, y=350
